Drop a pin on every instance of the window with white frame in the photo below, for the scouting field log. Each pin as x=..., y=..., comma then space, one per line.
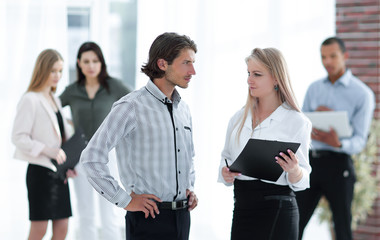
x=112, y=25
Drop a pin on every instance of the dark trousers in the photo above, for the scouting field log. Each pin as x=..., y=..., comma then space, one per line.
x=264, y=211
x=332, y=176
x=168, y=225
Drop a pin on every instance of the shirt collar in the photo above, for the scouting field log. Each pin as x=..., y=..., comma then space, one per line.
x=344, y=79
x=278, y=115
x=82, y=88
x=160, y=96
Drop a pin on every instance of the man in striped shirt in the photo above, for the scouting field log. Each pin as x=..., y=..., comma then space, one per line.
x=151, y=129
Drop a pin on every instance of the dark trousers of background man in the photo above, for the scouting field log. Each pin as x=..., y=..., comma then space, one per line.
x=168, y=225
x=332, y=176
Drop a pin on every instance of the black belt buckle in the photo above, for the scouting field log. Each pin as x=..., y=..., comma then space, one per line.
x=314, y=153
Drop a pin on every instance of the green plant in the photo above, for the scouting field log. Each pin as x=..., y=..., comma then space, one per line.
x=366, y=186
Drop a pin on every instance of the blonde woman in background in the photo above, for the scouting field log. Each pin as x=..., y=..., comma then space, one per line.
x=266, y=209
x=38, y=133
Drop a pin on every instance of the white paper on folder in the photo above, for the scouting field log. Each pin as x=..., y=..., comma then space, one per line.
x=338, y=120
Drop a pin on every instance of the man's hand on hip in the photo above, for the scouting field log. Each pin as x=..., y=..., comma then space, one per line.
x=144, y=203
x=193, y=200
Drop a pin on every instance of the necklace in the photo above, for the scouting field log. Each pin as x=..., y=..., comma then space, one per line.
x=256, y=122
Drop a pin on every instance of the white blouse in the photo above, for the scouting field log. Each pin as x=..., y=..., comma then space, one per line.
x=283, y=124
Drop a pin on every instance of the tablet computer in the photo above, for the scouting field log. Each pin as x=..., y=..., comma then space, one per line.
x=338, y=120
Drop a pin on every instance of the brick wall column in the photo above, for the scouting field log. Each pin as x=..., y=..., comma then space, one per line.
x=358, y=24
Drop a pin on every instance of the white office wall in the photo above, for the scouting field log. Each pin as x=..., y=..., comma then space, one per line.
x=26, y=28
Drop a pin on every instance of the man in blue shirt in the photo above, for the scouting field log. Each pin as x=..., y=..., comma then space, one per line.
x=333, y=174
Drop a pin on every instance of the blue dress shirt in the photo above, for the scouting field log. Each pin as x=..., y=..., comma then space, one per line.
x=347, y=94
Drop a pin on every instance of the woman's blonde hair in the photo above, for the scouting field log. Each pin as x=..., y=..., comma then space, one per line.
x=274, y=62
x=42, y=69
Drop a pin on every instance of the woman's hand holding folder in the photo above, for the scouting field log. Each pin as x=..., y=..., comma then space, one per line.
x=289, y=162
x=229, y=176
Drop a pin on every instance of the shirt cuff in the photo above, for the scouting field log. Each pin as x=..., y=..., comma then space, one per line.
x=221, y=180
x=302, y=184
x=343, y=142
x=121, y=199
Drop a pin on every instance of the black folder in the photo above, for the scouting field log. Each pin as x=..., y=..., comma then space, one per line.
x=73, y=149
x=258, y=158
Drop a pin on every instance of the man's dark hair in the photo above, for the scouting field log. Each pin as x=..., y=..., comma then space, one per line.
x=167, y=46
x=332, y=40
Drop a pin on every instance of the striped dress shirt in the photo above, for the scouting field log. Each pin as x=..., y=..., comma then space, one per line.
x=154, y=148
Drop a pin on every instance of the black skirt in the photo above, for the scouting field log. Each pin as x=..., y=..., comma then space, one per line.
x=49, y=197
x=264, y=211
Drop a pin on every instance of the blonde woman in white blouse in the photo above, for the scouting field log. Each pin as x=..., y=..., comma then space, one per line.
x=265, y=209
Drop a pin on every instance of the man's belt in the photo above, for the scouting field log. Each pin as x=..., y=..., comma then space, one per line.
x=176, y=205
x=326, y=153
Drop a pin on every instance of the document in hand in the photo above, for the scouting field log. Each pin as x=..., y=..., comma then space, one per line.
x=257, y=159
x=73, y=149
x=338, y=120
